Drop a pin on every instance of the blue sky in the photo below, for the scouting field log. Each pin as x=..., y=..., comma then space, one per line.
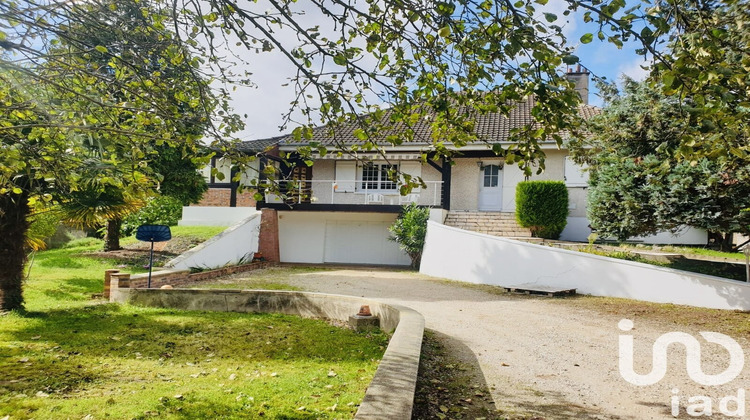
x=269, y=100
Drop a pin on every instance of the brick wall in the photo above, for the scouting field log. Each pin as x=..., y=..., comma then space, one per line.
x=246, y=199
x=176, y=278
x=221, y=197
x=268, y=239
x=215, y=197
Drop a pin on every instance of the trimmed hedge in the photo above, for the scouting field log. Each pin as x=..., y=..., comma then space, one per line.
x=542, y=207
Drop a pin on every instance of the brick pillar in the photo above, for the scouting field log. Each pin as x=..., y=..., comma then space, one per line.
x=108, y=280
x=120, y=281
x=268, y=240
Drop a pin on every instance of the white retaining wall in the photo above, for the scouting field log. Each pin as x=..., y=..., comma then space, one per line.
x=472, y=257
x=214, y=216
x=231, y=246
x=578, y=230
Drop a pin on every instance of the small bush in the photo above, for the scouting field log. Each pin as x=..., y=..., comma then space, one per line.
x=163, y=210
x=542, y=207
x=409, y=231
x=43, y=224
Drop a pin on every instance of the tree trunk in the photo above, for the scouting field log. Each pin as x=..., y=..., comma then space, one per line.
x=726, y=242
x=112, y=238
x=14, y=211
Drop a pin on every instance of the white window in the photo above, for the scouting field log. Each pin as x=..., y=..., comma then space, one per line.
x=491, y=176
x=375, y=176
x=575, y=175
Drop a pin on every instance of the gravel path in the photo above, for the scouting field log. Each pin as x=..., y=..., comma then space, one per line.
x=539, y=356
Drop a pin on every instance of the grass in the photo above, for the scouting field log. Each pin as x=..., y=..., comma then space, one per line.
x=733, y=323
x=711, y=268
x=688, y=251
x=272, y=278
x=68, y=356
x=200, y=233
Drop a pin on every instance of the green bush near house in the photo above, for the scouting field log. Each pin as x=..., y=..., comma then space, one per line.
x=409, y=231
x=163, y=210
x=542, y=207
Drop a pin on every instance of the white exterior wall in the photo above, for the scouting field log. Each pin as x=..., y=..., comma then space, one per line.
x=236, y=244
x=465, y=184
x=497, y=261
x=305, y=237
x=684, y=236
x=214, y=216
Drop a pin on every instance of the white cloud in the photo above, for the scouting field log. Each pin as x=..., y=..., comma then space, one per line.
x=635, y=69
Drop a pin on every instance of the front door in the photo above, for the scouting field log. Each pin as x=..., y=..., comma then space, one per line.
x=491, y=188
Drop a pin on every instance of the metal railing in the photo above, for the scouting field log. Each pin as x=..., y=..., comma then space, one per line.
x=353, y=192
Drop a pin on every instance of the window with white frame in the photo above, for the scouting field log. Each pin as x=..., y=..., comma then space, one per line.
x=375, y=177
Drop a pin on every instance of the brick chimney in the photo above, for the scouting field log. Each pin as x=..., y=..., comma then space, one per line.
x=580, y=76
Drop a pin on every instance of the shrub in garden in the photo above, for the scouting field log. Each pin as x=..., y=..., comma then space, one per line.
x=409, y=231
x=162, y=210
x=43, y=223
x=542, y=207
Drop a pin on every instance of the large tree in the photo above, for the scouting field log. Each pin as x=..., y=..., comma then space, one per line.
x=84, y=102
x=448, y=59
x=640, y=184
x=110, y=191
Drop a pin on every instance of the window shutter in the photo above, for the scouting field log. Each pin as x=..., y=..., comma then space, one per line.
x=346, y=175
x=413, y=168
x=575, y=176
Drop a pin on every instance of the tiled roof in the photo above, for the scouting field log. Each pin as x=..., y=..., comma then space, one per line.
x=491, y=127
x=260, y=145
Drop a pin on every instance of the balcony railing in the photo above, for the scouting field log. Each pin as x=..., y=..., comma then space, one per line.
x=353, y=192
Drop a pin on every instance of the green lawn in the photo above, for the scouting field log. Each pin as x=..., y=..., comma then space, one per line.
x=68, y=356
x=198, y=232
x=689, y=251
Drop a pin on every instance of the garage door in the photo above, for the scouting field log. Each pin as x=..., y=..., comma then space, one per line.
x=361, y=242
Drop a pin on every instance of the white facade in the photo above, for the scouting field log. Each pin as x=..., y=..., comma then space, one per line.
x=214, y=216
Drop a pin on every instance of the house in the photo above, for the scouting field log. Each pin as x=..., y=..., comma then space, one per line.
x=339, y=209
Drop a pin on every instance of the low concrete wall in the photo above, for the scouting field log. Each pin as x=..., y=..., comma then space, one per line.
x=391, y=392
x=476, y=258
x=214, y=216
x=229, y=247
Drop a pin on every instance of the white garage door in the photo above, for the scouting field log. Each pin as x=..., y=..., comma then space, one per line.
x=361, y=242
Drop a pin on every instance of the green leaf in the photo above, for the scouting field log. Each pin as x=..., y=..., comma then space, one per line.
x=445, y=31
x=101, y=48
x=570, y=59
x=550, y=17
x=339, y=59
x=587, y=38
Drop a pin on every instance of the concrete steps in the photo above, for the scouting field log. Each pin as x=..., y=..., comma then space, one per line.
x=490, y=223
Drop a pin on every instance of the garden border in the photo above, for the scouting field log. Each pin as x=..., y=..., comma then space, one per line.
x=391, y=392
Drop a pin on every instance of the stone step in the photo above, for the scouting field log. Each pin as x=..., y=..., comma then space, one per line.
x=491, y=223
